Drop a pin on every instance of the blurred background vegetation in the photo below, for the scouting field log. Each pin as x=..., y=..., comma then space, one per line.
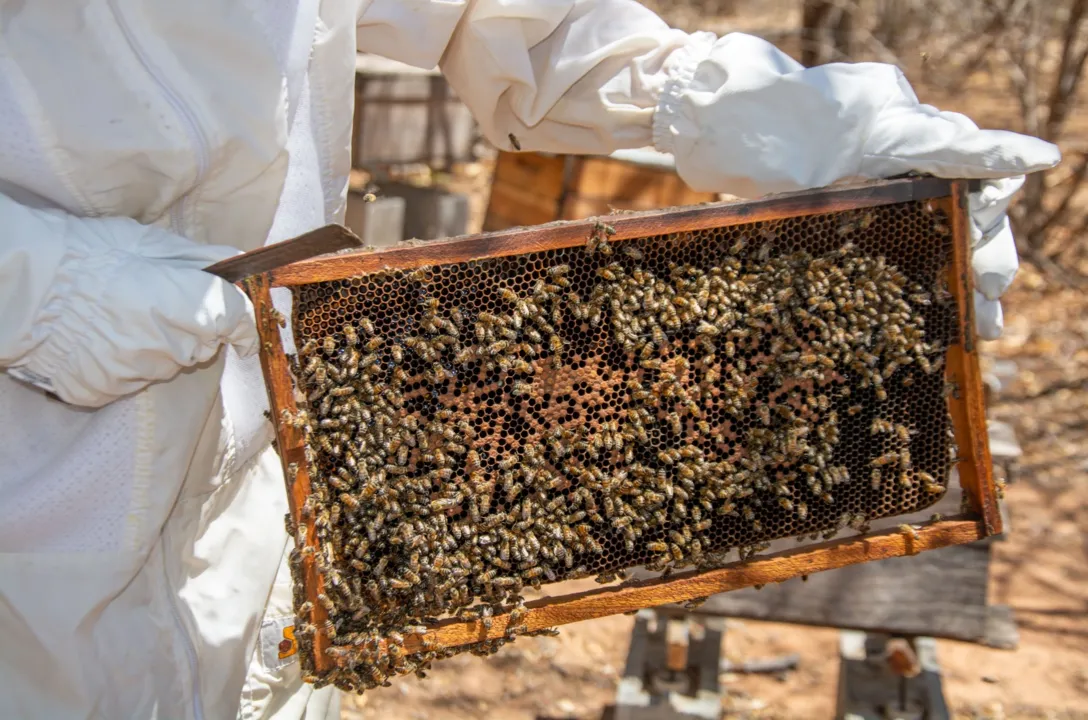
x=1011, y=64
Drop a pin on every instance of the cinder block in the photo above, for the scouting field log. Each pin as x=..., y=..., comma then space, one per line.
x=430, y=213
x=379, y=223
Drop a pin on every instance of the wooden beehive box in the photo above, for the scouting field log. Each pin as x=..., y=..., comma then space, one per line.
x=405, y=115
x=534, y=188
x=475, y=416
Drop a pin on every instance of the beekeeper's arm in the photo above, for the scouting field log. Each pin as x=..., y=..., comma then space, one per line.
x=740, y=116
x=92, y=309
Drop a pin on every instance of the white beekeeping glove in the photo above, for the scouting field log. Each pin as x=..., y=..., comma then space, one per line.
x=744, y=118
x=97, y=308
x=994, y=260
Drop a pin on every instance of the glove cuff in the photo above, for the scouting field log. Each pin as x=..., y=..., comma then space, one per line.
x=681, y=68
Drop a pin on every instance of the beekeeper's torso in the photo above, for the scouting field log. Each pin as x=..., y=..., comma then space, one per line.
x=139, y=542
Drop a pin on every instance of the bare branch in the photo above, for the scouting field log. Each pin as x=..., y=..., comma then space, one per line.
x=992, y=33
x=1074, y=185
x=1070, y=70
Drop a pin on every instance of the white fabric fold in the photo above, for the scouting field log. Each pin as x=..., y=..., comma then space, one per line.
x=99, y=308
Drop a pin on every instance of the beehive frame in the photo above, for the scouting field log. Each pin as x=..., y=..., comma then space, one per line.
x=961, y=367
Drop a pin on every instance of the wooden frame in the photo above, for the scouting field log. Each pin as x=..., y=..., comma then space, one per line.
x=529, y=188
x=966, y=405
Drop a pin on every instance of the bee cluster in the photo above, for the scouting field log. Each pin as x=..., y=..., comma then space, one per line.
x=478, y=428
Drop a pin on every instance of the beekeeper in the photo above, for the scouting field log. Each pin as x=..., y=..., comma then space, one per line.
x=141, y=520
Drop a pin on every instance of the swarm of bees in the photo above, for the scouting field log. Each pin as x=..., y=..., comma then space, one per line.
x=580, y=412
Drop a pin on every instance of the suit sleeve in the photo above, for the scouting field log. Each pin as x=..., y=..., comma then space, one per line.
x=738, y=115
x=92, y=309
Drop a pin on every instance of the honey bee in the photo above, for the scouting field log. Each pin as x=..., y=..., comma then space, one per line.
x=350, y=336
x=421, y=274
x=880, y=426
x=910, y=532
x=885, y=459
x=278, y=317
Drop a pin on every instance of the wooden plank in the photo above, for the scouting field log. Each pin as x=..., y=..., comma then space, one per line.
x=573, y=234
x=966, y=405
x=515, y=207
x=579, y=208
x=606, y=184
x=525, y=190
x=327, y=239
x=556, y=611
x=290, y=442
x=618, y=182
x=541, y=174
x=603, y=177
x=940, y=593
x=1001, y=630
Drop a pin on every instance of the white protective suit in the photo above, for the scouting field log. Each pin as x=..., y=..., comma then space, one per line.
x=141, y=519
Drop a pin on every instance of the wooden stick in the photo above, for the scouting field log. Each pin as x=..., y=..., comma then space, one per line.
x=760, y=666
x=291, y=445
x=966, y=405
x=555, y=611
x=327, y=239
x=573, y=234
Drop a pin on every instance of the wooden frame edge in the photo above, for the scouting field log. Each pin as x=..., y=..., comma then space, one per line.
x=966, y=404
x=592, y=604
x=627, y=225
x=962, y=367
x=290, y=443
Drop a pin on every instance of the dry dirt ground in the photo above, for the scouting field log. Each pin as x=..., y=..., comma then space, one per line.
x=1041, y=571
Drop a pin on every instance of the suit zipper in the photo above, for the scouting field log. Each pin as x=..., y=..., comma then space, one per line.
x=185, y=114
x=177, y=219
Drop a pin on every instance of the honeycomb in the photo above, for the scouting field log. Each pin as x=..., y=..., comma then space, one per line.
x=475, y=428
